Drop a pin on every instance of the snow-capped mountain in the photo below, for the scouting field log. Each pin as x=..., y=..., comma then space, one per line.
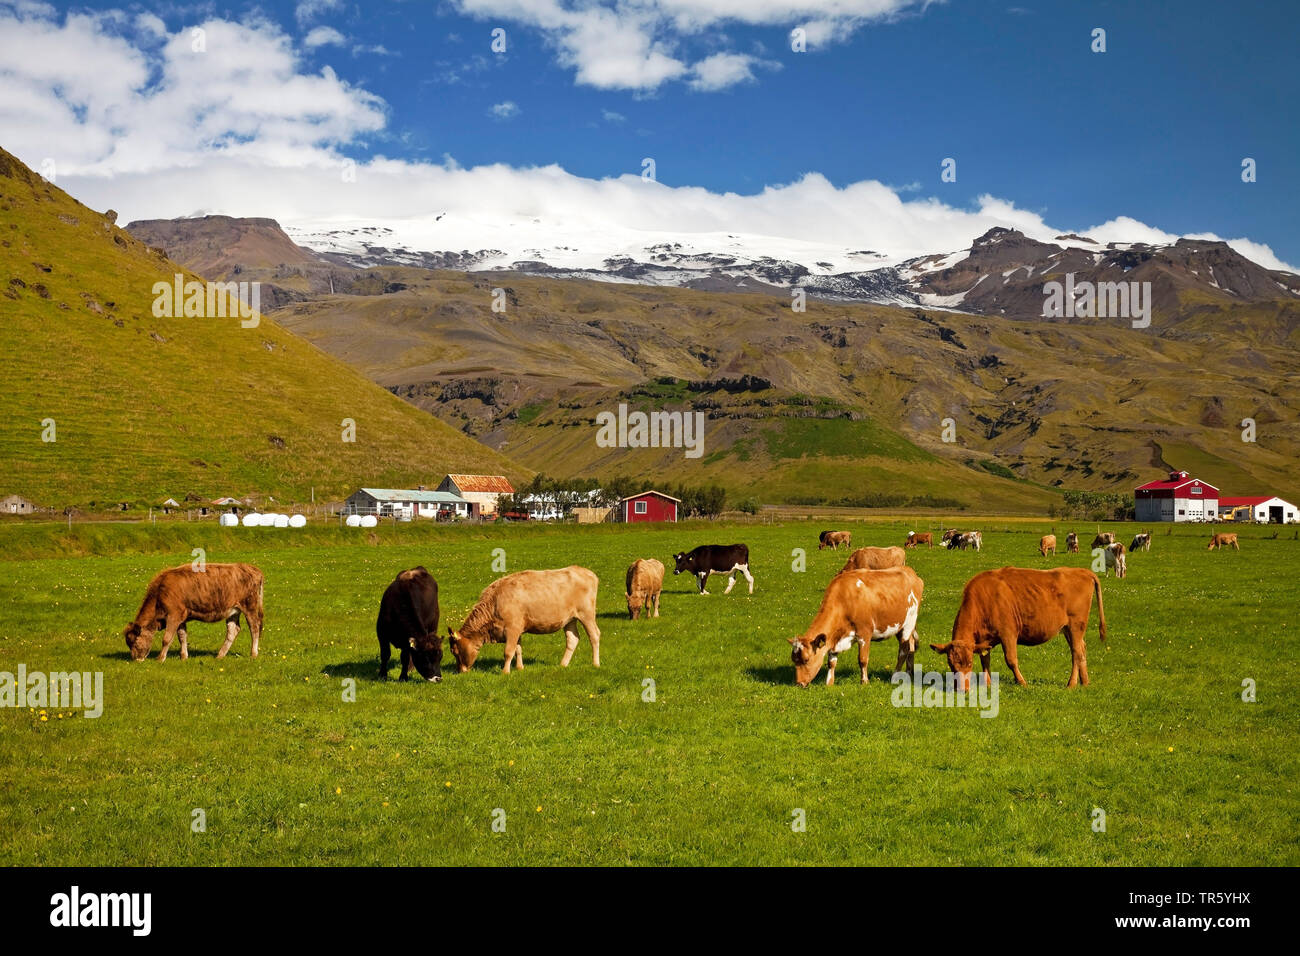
x=1002, y=271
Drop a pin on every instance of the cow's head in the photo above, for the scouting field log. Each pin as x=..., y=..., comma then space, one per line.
x=463, y=649
x=961, y=657
x=139, y=640
x=683, y=562
x=807, y=654
x=426, y=655
x=634, y=604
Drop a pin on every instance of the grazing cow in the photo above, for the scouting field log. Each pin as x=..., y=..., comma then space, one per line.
x=179, y=595
x=916, y=540
x=860, y=607
x=530, y=602
x=408, y=621
x=1022, y=606
x=645, y=581
x=833, y=540
x=875, y=559
x=1047, y=543
x=948, y=535
x=971, y=539
x=1114, y=556
x=1141, y=542
x=1072, y=543
x=1218, y=541
x=1103, y=539
x=716, y=559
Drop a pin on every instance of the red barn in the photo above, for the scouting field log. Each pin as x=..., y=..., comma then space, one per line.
x=1180, y=497
x=648, y=506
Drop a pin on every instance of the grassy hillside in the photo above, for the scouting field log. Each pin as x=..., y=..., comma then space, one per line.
x=145, y=408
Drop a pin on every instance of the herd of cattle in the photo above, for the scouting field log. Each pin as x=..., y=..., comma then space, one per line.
x=876, y=595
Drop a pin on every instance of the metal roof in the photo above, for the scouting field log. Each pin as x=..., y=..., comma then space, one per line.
x=429, y=497
x=497, y=484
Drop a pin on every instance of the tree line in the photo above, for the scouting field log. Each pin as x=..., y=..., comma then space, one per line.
x=562, y=495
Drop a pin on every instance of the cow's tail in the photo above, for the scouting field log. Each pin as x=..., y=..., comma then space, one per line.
x=1101, y=609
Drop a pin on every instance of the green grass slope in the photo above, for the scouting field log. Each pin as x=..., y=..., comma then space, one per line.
x=145, y=408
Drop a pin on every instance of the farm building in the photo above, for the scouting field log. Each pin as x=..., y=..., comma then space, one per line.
x=482, y=490
x=1179, y=497
x=405, y=504
x=16, y=505
x=648, y=506
x=1264, y=509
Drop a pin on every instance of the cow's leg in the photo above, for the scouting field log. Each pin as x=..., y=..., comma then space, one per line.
x=657, y=603
x=185, y=642
x=731, y=581
x=830, y=669
x=1078, y=653
x=232, y=631
x=1009, y=652
x=385, y=657
x=570, y=643
x=986, y=665
x=174, y=623
x=703, y=577
x=593, y=635
x=519, y=653
x=254, y=618
x=512, y=645
x=744, y=569
x=864, y=655
x=406, y=664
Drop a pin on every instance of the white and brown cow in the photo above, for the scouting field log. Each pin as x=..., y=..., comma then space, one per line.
x=860, y=607
x=1023, y=606
x=530, y=602
x=715, y=559
x=1072, y=543
x=1103, y=538
x=1113, y=555
x=218, y=592
x=1047, y=543
x=833, y=540
x=1141, y=542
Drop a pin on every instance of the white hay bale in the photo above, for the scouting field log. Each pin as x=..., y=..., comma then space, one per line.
x=252, y=520
x=354, y=521
x=282, y=521
x=228, y=520
x=369, y=521
x=297, y=521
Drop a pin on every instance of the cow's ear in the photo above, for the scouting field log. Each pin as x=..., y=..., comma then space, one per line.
x=793, y=640
x=983, y=647
x=941, y=648
x=818, y=641
x=411, y=641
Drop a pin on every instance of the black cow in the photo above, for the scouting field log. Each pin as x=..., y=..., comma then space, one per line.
x=716, y=559
x=408, y=621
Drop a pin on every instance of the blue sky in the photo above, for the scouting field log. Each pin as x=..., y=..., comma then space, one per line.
x=1155, y=128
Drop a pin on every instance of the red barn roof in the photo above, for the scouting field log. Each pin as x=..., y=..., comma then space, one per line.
x=642, y=494
x=1176, y=480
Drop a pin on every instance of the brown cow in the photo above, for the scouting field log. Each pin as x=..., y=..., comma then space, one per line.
x=1218, y=541
x=875, y=559
x=1103, y=538
x=916, y=540
x=1072, y=543
x=1114, y=559
x=949, y=534
x=645, y=582
x=1047, y=543
x=860, y=607
x=1014, y=606
x=220, y=592
x=833, y=540
x=530, y=602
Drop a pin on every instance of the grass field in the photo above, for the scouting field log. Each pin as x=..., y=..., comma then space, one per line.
x=586, y=771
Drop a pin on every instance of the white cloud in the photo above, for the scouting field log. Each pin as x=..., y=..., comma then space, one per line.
x=324, y=36
x=504, y=111
x=308, y=10
x=609, y=116
x=618, y=44
x=721, y=70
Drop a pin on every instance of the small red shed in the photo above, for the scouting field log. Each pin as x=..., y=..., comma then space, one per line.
x=648, y=506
